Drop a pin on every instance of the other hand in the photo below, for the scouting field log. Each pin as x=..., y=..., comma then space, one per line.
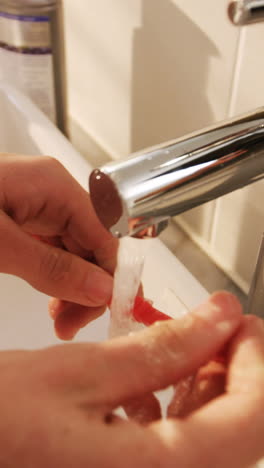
x=57, y=404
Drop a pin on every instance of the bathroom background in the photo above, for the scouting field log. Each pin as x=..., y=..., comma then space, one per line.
x=144, y=71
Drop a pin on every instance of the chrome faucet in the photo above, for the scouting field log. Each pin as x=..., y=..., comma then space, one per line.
x=138, y=195
x=242, y=12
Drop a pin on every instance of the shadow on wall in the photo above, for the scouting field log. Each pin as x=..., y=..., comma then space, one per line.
x=170, y=65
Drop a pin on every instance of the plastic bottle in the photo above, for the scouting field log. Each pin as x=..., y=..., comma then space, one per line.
x=32, y=53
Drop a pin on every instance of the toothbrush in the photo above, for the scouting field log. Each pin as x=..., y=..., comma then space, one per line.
x=144, y=312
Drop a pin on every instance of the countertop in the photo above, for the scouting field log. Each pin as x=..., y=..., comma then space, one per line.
x=211, y=277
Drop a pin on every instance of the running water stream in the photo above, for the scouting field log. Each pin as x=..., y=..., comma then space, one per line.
x=127, y=278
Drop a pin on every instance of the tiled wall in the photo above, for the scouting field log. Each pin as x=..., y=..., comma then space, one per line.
x=144, y=71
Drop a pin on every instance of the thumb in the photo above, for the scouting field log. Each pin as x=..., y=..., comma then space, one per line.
x=130, y=367
x=51, y=270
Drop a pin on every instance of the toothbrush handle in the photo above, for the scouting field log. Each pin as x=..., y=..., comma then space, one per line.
x=145, y=313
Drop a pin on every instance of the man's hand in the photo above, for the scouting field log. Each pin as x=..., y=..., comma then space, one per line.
x=40, y=200
x=57, y=404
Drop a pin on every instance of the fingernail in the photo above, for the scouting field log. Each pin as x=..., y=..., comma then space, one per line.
x=70, y=337
x=221, y=307
x=52, y=311
x=225, y=300
x=54, y=307
x=255, y=323
x=99, y=287
x=65, y=336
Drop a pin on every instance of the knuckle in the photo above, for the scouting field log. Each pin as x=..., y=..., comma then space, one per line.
x=49, y=166
x=53, y=162
x=65, y=365
x=168, y=349
x=171, y=334
x=55, y=265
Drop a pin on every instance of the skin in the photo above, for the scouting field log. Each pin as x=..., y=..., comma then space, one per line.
x=58, y=404
x=39, y=197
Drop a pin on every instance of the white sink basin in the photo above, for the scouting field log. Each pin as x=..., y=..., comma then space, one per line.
x=23, y=311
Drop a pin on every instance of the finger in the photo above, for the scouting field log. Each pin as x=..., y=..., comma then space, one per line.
x=43, y=198
x=54, y=240
x=154, y=358
x=194, y=392
x=52, y=270
x=173, y=350
x=182, y=392
x=232, y=426
x=106, y=254
x=246, y=355
x=143, y=410
x=74, y=247
x=73, y=317
x=57, y=306
x=87, y=230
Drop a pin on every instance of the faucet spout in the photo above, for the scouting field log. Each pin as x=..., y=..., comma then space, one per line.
x=136, y=196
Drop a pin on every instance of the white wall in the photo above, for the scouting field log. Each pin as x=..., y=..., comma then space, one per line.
x=144, y=71
x=99, y=39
